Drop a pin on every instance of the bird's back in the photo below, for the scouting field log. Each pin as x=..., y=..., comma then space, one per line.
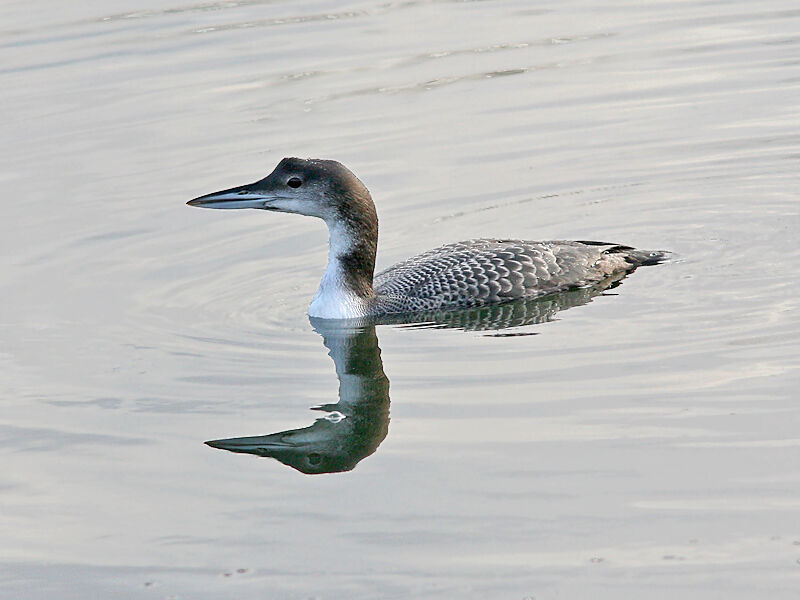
x=483, y=271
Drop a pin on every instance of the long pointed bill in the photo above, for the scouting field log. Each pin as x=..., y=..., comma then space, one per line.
x=259, y=444
x=244, y=196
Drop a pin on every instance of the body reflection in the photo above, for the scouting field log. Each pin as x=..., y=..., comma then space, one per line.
x=356, y=425
x=503, y=316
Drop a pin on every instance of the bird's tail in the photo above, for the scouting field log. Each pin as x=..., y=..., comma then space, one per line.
x=640, y=258
x=637, y=258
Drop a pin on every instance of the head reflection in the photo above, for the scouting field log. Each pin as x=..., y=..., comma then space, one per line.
x=355, y=426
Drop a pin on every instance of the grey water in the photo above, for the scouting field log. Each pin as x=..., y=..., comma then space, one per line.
x=640, y=442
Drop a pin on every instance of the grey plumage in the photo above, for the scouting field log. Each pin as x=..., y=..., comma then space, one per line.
x=487, y=271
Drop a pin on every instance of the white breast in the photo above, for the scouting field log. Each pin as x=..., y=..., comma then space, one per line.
x=334, y=300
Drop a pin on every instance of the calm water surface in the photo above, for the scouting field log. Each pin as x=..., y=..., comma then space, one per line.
x=643, y=445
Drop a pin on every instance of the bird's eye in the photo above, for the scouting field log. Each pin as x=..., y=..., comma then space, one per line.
x=294, y=182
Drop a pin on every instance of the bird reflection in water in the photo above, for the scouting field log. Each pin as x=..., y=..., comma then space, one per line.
x=353, y=427
x=357, y=424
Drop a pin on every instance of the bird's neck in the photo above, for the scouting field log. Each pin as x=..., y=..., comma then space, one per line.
x=345, y=291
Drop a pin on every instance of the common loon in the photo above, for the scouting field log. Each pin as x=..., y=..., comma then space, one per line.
x=460, y=275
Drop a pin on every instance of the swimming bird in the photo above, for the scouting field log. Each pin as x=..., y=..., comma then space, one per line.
x=464, y=274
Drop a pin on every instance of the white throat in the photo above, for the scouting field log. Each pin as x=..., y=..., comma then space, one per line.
x=334, y=299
